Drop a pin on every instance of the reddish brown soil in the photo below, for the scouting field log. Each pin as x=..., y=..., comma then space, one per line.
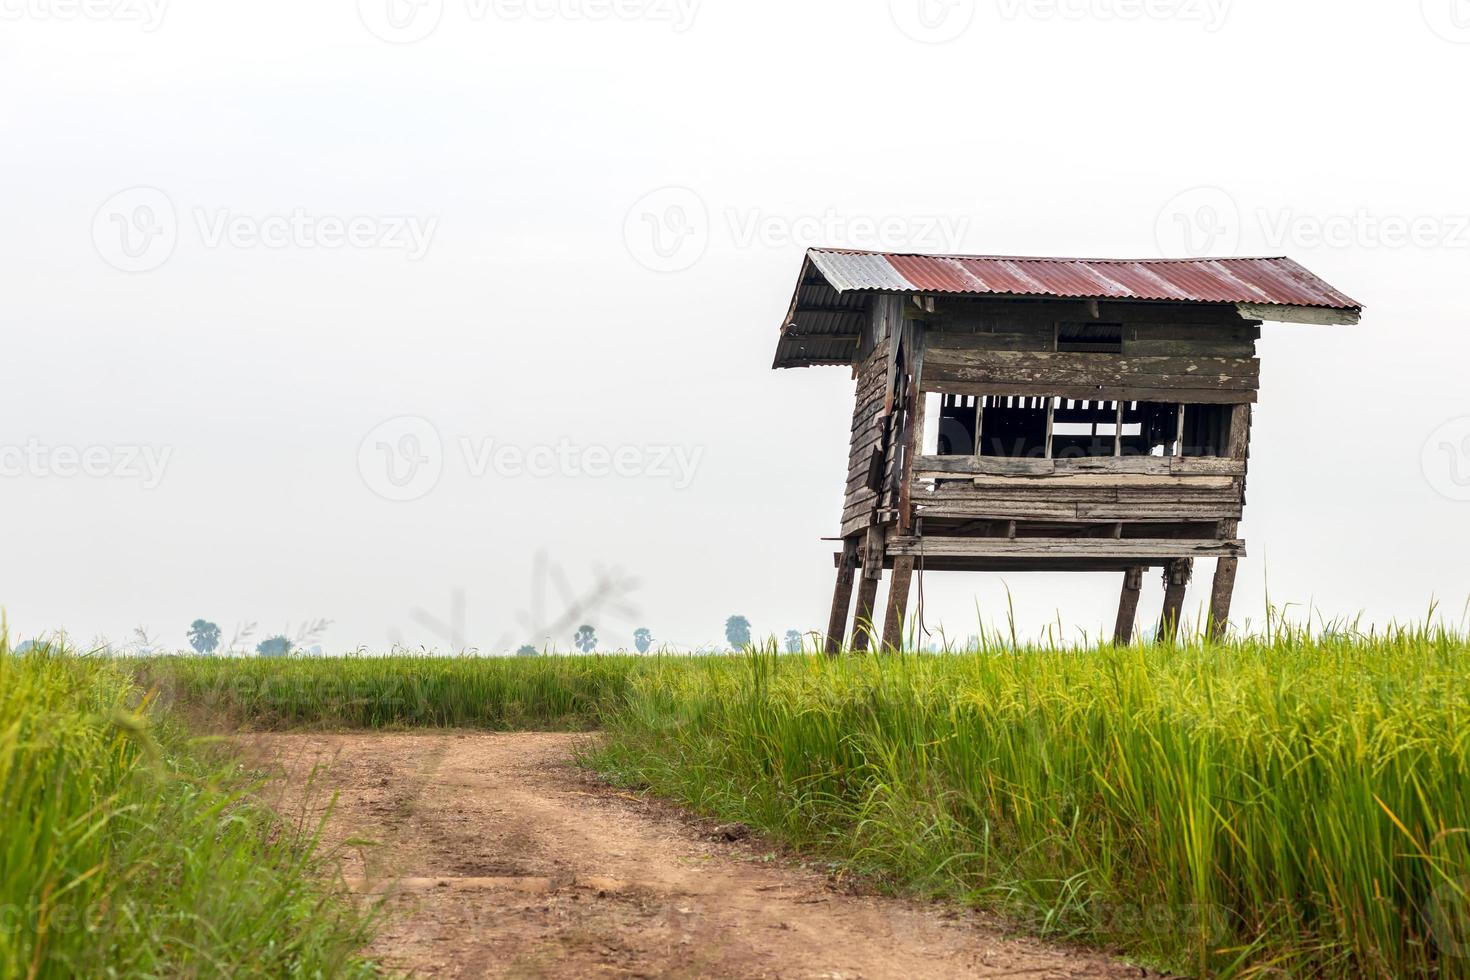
x=497, y=857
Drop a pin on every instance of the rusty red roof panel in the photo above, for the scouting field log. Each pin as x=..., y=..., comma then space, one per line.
x=1273, y=281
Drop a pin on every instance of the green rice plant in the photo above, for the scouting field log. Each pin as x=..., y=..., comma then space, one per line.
x=1297, y=804
x=129, y=849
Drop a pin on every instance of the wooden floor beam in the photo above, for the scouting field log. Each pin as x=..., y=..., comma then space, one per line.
x=1128, y=606
x=1134, y=551
x=1220, y=595
x=898, y=604
x=842, y=596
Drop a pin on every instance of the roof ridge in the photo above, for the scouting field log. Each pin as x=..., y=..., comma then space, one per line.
x=1272, y=280
x=1049, y=258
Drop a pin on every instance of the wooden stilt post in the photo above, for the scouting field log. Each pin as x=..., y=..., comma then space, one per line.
x=863, y=617
x=842, y=596
x=1176, y=579
x=1128, y=606
x=1220, y=595
x=898, y=604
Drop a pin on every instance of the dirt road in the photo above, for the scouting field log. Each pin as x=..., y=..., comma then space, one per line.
x=500, y=858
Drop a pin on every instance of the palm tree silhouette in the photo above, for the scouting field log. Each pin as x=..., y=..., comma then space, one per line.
x=203, y=636
x=737, y=632
x=586, y=639
x=642, y=639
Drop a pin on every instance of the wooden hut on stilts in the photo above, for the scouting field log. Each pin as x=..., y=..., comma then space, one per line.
x=1043, y=414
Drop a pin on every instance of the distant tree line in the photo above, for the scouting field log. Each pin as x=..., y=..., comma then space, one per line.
x=204, y=638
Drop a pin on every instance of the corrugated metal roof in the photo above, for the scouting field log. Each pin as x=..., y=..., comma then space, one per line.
x=1272, y=281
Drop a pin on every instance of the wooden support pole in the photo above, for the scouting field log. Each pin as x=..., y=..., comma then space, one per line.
x=1176, y=582
x=862, y=623
x=1220, y=595
x=842, y=596
x=898, y=604
x=864, y=620
x=1128, y=606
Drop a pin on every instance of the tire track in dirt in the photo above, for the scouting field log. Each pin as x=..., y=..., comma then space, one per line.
x=497, y=857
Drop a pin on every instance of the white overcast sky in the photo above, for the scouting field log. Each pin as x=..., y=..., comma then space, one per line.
x=501, y=167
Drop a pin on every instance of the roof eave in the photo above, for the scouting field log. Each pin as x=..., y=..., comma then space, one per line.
x=1318, y=315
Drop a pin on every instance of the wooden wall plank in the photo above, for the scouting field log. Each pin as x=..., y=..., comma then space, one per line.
x=1041, y=369
x=941, y=466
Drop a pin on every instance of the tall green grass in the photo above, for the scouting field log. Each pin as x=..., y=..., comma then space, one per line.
x=1294, y=805
x=128, y=849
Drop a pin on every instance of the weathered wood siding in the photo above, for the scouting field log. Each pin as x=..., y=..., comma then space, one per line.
x=1101, y=490
x=868, y=433
x=872, y=418
x=1170, y=353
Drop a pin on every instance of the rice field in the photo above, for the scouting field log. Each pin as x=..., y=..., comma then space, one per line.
x=132, y=849
x=1295, y=806
x=499, y=694
x=1285, y=805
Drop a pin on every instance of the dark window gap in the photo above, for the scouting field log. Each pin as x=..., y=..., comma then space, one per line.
x=1090, y=338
